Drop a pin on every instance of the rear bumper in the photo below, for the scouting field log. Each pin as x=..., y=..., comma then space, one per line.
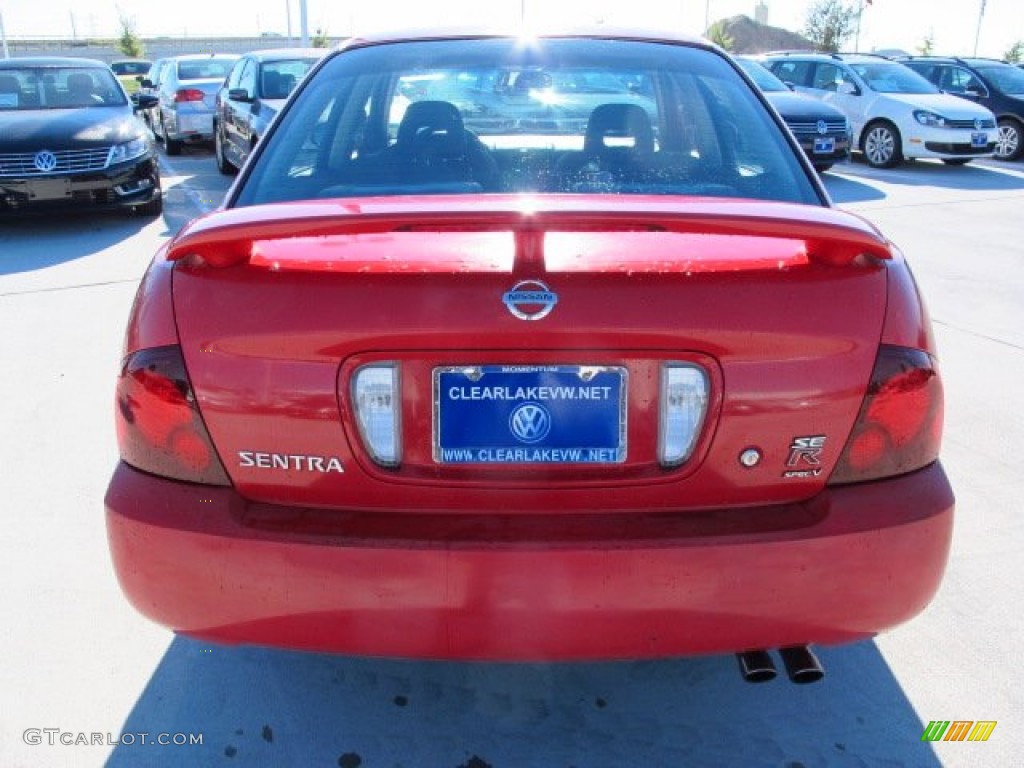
x=852, y=562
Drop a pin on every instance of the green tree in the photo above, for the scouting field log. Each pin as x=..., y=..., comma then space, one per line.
x=927, y=45
x=719, y=35
x=1015, y=53
x=830, y=23
x=129, y=43
x=320, y=38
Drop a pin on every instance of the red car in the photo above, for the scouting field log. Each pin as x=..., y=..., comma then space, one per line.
x=455, y=373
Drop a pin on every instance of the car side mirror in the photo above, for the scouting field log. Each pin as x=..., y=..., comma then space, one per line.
x=974, y=93
x=142, y=101
x=847, y=89
x=239, y=94
x=146, y=82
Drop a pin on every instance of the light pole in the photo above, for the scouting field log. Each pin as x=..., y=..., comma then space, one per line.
x=303, y=24
x=977, y=31
x=3, y=36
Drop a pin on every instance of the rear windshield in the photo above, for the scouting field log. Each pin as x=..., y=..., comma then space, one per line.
x=205, y=69
x=500, y=115
x=59, y=88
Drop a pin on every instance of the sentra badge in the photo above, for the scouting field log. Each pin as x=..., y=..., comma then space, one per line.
x=295, y=462
x=530, y=300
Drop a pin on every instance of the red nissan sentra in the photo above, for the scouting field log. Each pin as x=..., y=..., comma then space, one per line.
x=530, y=348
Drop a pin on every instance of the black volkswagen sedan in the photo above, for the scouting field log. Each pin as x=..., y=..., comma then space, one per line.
x=69, y=138
x=822, y=130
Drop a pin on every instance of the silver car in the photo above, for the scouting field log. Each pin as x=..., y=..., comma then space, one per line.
x=187, y=89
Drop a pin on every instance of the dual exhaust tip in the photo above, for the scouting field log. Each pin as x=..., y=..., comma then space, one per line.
x=802, y=666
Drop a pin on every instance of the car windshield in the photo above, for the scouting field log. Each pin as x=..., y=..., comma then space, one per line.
x=30, y=88
x=1006, y=79
x=498, y=115
x=764, y=79
x=889, y=77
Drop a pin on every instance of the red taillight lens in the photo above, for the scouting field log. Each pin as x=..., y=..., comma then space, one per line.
x=159, y=429
x=899, y=428
x=188, y=94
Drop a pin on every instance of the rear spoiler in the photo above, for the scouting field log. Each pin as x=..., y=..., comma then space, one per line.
x=231, y=237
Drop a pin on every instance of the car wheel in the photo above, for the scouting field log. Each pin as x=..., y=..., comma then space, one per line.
x=956, y=160
x=1008, y=146
x=172, y=146
x=881, y=145
x=224, y=165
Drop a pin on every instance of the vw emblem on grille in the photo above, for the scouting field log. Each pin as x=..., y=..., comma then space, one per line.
x=530, y=423
x=45, y=161
x=978, y=124
x=822, y=127
x=530, y=300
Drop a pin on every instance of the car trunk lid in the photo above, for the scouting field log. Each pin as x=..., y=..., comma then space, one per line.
x=485, y=304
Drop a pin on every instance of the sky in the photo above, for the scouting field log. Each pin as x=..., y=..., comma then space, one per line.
x=952, y=25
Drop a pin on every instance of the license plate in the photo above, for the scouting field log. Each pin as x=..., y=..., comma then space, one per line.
x=979, y=139
x=824, y=146
x=510, y=414
x=49, y=189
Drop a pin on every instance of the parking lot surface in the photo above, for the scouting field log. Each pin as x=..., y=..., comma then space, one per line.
x=86, y=681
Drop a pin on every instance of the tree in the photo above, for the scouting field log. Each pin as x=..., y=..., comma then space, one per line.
x=718, y=34
x=129, y=43
x=1015, y=52
x=927, y=45
x=830, y=23
x=320, y=38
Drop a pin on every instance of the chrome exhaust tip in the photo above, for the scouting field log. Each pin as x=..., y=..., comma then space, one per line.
x=756, y=666
x=802, y=666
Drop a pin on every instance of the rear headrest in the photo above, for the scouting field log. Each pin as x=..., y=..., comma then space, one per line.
x=436, y=120
x=619, y=121
x=9, y=84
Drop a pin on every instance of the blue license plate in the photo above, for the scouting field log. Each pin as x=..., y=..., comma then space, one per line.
x=824, y=146
x=510, y=414
x=979, y=139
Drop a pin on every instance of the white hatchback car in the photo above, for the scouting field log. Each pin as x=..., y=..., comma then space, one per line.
x=895, y=113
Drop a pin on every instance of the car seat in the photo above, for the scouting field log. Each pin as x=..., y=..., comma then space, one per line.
x=81, y=89
x=433, y=146
x=618, y=147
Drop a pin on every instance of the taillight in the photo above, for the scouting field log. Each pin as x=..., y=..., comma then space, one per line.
x=376, y=394
x=159, y=429
x=899, y=428
x=189, y=94
x=684, y=401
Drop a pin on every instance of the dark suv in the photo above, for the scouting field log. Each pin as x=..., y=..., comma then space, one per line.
x=993, y=84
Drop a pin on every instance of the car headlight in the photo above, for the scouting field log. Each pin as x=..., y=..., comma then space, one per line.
x=120, y=153
x=930, y=119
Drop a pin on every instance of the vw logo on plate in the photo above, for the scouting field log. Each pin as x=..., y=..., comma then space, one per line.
x=530, y=300
x=822, y=127
x=45, y=161
x=530, y=423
